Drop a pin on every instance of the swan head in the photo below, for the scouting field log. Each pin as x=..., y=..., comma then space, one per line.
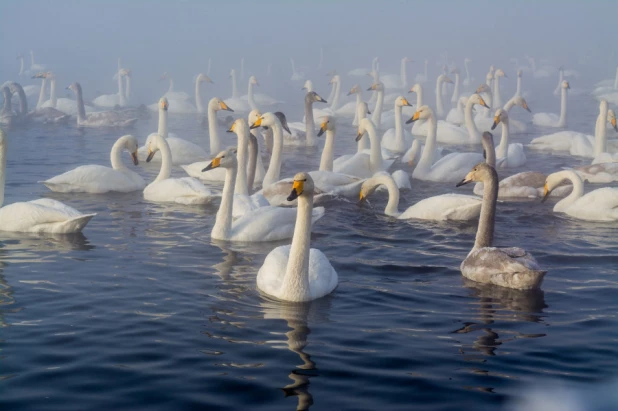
x=477, y=99
x=283, y=120
x=489, y=76
x=483, y=88
x=330, y=73
x=401, y=101
x=423, y=113
x=520, y=73
x=253, y=116
x=165, y=76
x=154, y=143
x=455, y=70
x=40, y=74
x=313, y=97
x=75, y=87
x=364, y=125
x=125, y=72
x=371, y=184
x=443, y=78
x=492, y=68
x=415, y=88
x=499, y=73
x=131, y=145
x=335, y=79
x=553, y=180
x=407, y=60
x=201, y=78
x=328, y=123
x=302, y=186
x=225, y=159
x=239, y=126
x=362, y=109
x=479, y=173
x=521, y=102
x=2, y=138
x=308, y=85
x=253, y=80
x=565, y=85
x=163, y=103
x=232, y=73
x=501, y=116
x=354, y=90
x=611, y=117
x=217, y=104
x=379, y=86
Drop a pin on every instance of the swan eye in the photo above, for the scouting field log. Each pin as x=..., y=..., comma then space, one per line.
x=222, y=156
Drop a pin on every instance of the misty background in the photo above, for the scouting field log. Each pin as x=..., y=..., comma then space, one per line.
x=81, y=40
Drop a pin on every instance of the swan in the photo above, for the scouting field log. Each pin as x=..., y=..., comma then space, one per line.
x=363, y=71
x=255, y=165
x=255, y=99
x=182, y=150
x=65, y=105
x=598, y=205
x=437, y=208
x=442, y=78
x=201, y=78
x=457, y=87
x=295, y=272
x=364, y=164
x=604, y=172
x=38, y=216
x=511, y=267
x=520, y=74
x=296, y=75
x=171, y=95
x=195, y=169
x=7, y=116
x=308, y=86
x=376, y=117
x=299, y=134
x=112, y=100
x=448, y=168
x=607, y=89
x=578, y=143
x=551, y=119
x=16, y=88
x=163, y=189
x=98, y=119
x=350, y=108
x=399, y=82
x=397, y=139
x=496, y=97
x=422, y=78
x=512, y=155
x=34, y=67
x=456, y=115
x=98, y=179
x=271, y=121
x=540, y=72
x=263, y=224
x=527, y=184
x=468, y=80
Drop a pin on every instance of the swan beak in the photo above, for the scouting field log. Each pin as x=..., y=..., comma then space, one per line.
x=208, y=80
x=150, y=155
x=466, y=180
x=257, y=123
x=546, y=192
x=448, y=80
x=496, y=121
x=482, y=103
x=406, y=103
x=361, y=196
x=614, y=124
x=225, y=106
x=414, y=118
x=368, y=112
x=304, y=88
x=320, y=99
x=359, y=136
x=485, y=154
x=525, y=106
x=231, y=129
x=349, y=93
x=322, y=128
x=373, y=87
x=213, y=164
x=297, y=190
x=165, y=105
x=134, y=158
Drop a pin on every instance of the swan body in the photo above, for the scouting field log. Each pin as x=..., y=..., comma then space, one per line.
x=163, y=189
x=64, y=105
x=399, y=82
x=438, y=208
x=551, y=119
x=38, y=216
x=598, y=205
x=98, y=179
x=296, y=272
x=98, y=119
x=448, y=168
x=112, y=100
x=606, y=172
x=456, y=115
x=511, y=267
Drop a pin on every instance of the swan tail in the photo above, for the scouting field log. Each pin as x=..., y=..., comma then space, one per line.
x=128, y=123
x=73, y=225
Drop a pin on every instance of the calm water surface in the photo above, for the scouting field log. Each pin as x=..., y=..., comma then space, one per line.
x=145, y=311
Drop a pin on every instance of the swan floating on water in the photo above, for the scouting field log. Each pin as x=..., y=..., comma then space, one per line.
x=101, y=118
x=551, y=119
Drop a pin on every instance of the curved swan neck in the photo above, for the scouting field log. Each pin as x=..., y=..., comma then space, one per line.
x=81, y=109
x=212, y=130
x=509, y=104
x=166, y=159
x=485, y=232
x=455, y=97
x=578, y=189
x=309, y=123
x=2, y=167
x=116, y=154
x=198, y=96
x=563, y=108
x=392, y=206
x=234, y=84
x=241, y=176
x=490, y=151
x=473, y=132
x=252, y=163
x=223, y=222
x=42, y=93
x=377, y=113
x=326, y=161
x=430, y=143
x=274, y=168
x=23, y=101
x=162, y=128
x=296, y=279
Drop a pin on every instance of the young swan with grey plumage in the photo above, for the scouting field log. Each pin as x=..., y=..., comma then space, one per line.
x=511, y=267
x=296, y=272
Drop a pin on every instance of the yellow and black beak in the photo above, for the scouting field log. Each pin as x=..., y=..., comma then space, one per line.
x=406, y=103
x=482, y=103
x=231, y=129
x=546, y=192
x=525, y=106
x=297, y=189
x=361, y=196
x=415, y=117
x=165, y=105
x=322, y=128
x=466, y=180
x=320, y=99
x=614, y=124
x=257, y=123
x=496, y=121
x=134, y=158
x=225, y=106
x=150, y=155
x=213, y=164
x=359, y=135
x=373, y=87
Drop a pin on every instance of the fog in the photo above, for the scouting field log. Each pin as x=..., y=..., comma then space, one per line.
x=81, y=40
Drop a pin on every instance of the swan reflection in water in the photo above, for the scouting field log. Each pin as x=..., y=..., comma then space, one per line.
x=297, y=316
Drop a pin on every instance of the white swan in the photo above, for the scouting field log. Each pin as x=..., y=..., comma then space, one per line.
x=442, y=78
x=511, y=267
x=448, y=168
x=308, y=86
x=540, y=72
x=350, y=108
x=394, y=81
x=437, y=208
x=171, y=94
x=456, y=115
x=101, y=118
x=34, y=67
x=256, y=170
x=551, y=119
x=263, y=224
x=509, y=155
x=456, y=87
x=201, y=78
x=497, y=97
x=112, y=100
x=363, y=71
x=254, y=99
x=296, y=272
x=182, y=150
x=66, y=105
x=376, y=117
x=163, y=189
x=270, y=120
x=598, y=205
x=299, y=134
x=296, y=75
x=397, y=139
x=38, y=216
x=520, y=75
x=98, y=179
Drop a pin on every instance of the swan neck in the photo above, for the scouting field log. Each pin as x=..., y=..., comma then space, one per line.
x=335, y=103
x=121, y=93
x=23, y=101
x=375, y=156
x=241, y=176
x=473, y=132
x=377, y=113
x=42, y=93
x=81, y=109
x=2, y=170
x=509, y=104
x=496, y=97
x=404, y=74
x=578, y=189
x=162, y=128
x=485, y=232
x=518, y=92
x=116, y=154
x=456, y=90
x=127, y=90
x=616, y=79
x=166, y=160
x=439, y=105
x=392, y=207
x=430, y=143
x=250, y=96
x=326, y=162
x=198, y=97
x=274, y=168
x=296, y=279
x=419, y=97
x=600, y=134
x=399, y=142
x=52, y=92
x=563, y=108
x=309, y=123
x=504, y=141
x=223, y=223
x=21, y=72
x=253, y=148
x=212, y=131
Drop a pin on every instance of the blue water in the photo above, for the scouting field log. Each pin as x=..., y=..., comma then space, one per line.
x=144, y=311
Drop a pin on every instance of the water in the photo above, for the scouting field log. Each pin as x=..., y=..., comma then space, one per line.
x=145, y=311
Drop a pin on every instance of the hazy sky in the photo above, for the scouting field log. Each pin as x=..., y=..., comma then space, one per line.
x=82, y=39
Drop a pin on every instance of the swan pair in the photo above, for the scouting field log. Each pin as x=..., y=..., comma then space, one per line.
x=38, y=216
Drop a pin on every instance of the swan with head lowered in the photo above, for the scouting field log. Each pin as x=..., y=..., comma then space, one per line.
x=448, y=168
x=598, y=205
x=551, y=119
x=38, y=216
x=437, y=208
x=182, y=151
x=101, y=118
x=262, y=224
x=98, y=179
x=297, y=272
x=164, y=189
x=511, y=267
